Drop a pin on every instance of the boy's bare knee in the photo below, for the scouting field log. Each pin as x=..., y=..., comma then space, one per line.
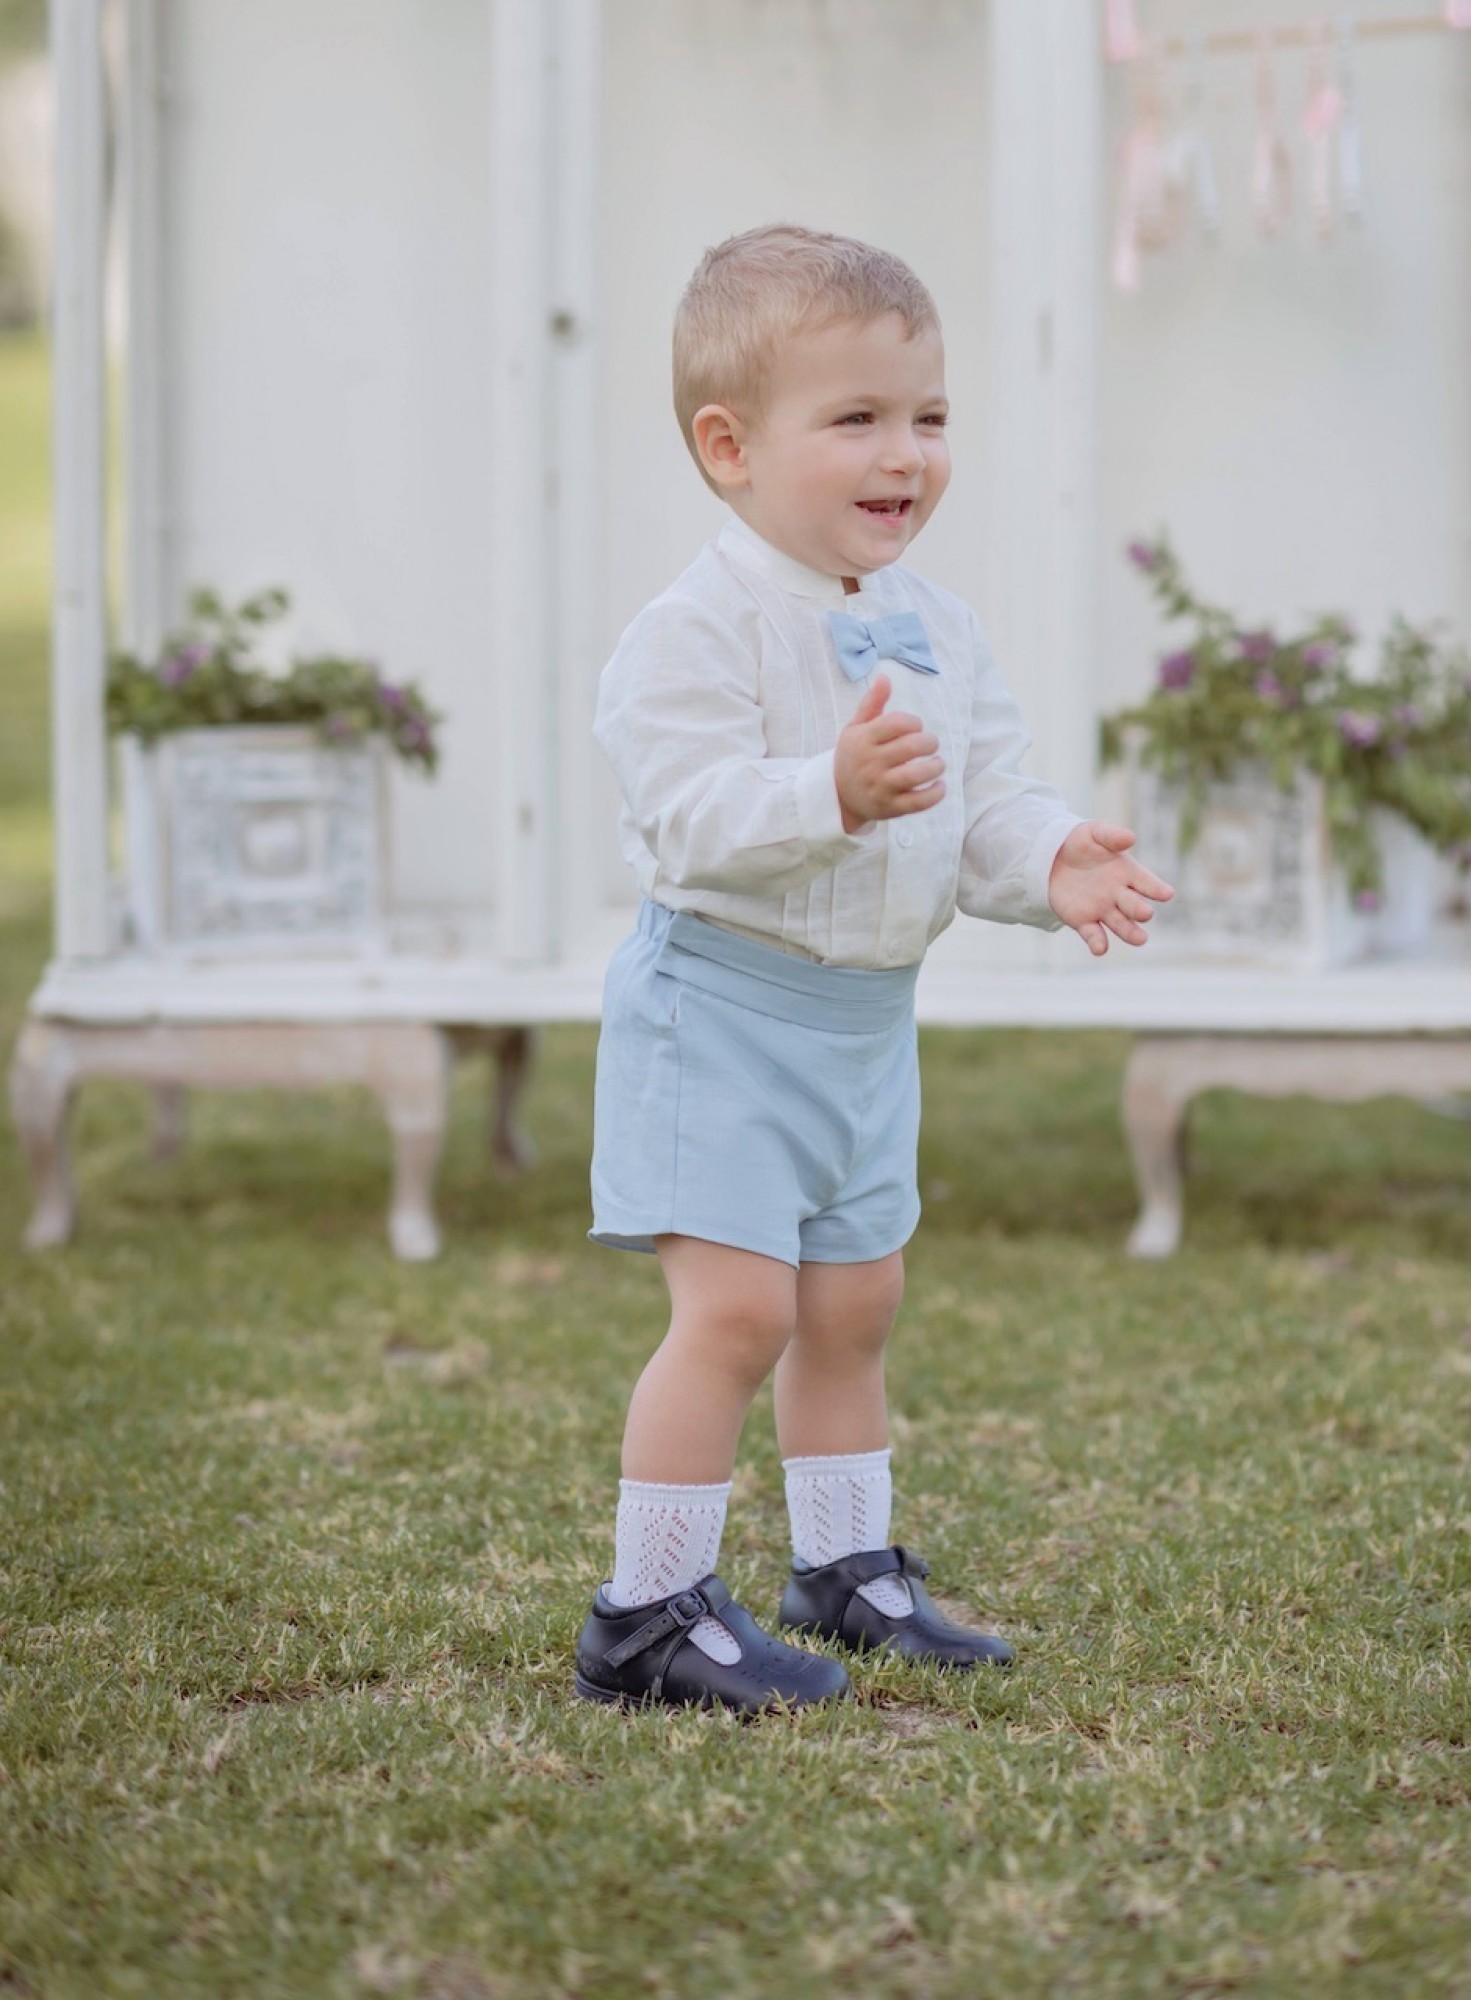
x=849, y=1308
x=747, y=1335
x=739, y=1307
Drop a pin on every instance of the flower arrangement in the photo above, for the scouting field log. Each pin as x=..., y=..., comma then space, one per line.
x=1292, y=704
x=209, y=676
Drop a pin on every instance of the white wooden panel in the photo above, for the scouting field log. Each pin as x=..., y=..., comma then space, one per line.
x=79, y=637
x=1299, y=414
x=523, y=794
x=1120, y=994
x=578, y=441
x=327, y=234
x=852, y=115
x=1043, y=118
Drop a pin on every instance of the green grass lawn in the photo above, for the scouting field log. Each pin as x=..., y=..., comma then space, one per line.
x=296, y=1542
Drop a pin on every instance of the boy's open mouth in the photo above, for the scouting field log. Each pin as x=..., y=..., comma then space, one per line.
x=890, y=510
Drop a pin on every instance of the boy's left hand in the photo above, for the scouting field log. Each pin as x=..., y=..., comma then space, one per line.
x=1096, y=887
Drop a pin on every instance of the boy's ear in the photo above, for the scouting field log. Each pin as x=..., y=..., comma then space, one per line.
x=720, y=440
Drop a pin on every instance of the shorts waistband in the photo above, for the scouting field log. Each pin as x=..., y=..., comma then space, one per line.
x=849, y=998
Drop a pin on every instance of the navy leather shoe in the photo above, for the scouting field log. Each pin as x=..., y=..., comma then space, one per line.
x=825, y=1601
x=642, y=1653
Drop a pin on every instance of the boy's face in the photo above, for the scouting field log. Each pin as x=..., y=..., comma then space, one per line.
x=849, y=458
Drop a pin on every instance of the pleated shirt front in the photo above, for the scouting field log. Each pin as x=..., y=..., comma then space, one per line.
x=720, y=710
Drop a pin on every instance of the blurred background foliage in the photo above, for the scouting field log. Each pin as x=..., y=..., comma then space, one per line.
x=22, y=27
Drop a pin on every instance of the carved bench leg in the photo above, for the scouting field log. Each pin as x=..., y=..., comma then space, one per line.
x=170, y=1120
x=512, y=1052
x=515, y=1056
x=1155, y=1107
x=411, y=1077
x=42, y=1080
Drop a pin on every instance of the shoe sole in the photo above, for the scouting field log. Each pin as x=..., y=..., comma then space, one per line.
x=631, y=1703
x=590, y=1691
x=865, y=1648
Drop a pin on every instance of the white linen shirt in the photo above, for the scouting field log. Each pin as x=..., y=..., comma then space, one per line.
x=720, y=710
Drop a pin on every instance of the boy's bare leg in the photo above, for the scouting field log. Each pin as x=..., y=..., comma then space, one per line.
x=732, y=1314
x=830, y=1381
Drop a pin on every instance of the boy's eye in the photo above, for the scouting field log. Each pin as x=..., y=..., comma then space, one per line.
x=857, y=417
x=936, y=420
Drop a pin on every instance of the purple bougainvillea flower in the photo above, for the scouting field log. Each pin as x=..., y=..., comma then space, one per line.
x=1368, y=900
x=1143, y=555
x=1361, y=730
x=1322, y=653
x=391, y=696
x=1258, y=646
x=1270, y=688
x=1408, y=716
x=1177, y=670
x=181, y=665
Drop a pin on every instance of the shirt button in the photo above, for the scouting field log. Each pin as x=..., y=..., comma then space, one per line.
x=893, y=949
x=904, y=837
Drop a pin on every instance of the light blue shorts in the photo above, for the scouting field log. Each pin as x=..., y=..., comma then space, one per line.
x=752, y=1098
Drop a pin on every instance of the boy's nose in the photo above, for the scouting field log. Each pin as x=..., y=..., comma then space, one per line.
x=902, y=452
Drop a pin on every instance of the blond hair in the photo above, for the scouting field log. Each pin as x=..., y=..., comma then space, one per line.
x=755, y=291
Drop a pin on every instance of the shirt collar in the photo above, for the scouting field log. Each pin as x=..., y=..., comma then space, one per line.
x=751, y=551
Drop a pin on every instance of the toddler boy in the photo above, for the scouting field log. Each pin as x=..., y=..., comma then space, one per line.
x=819, y=763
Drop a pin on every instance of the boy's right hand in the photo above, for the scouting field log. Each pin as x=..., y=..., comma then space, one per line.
x=885, y=765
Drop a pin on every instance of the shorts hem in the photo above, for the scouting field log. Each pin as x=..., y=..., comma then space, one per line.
x=817, y=1256
x=634, y=1238
x=643, y=1239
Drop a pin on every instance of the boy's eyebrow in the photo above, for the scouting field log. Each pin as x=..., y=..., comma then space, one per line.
x=939, y=400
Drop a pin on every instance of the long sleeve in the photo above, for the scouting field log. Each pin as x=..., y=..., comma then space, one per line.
x=1014, y=825
x=679, y=718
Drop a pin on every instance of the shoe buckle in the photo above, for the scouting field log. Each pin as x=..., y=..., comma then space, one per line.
x=688, y=1608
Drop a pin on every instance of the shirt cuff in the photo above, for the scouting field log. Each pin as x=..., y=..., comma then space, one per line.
x=1038, y=873
x=819, y=809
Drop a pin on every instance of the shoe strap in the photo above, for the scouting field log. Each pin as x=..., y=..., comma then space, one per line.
x=871, y=1563
x=677, y=1614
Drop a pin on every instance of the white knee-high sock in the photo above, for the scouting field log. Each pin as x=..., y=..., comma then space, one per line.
x=840, y=1506
x=668, y=1539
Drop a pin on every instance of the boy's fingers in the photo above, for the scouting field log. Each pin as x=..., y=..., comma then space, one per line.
x=1153, y=886
x=896, y=723
x=919, y=799
x=917, y=772
x=1123, y=927
x=1095, y=937
x=874, y=697
x=1117, y=839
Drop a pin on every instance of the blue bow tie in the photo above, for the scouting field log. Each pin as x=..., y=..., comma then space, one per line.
x=863, y=642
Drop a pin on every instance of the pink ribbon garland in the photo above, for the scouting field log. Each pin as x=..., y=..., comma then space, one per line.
x=1321, y=121
x=1121, y=39
x=1144, y=214
x=1350, y=130
x=1271, y=166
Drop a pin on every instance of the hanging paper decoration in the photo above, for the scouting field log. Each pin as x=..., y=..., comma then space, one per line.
x=1350, y=127
x=1121, y=39
x=1143, y=215
x=1321, y=122
x=1189, y=167
x=1271, y=169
